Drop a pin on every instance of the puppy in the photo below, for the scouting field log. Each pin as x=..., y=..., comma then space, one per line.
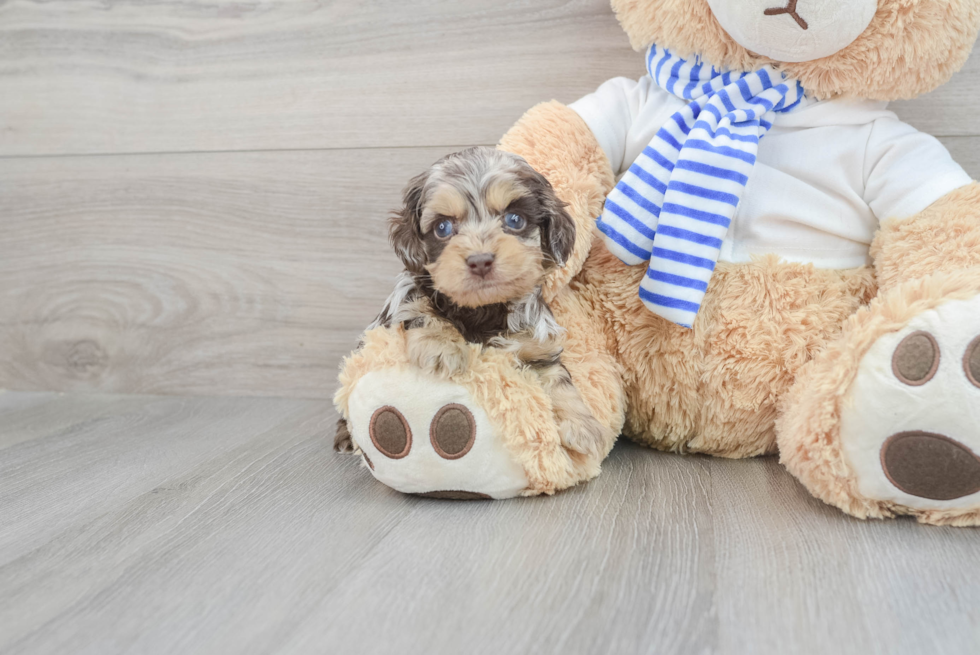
x=477, y=233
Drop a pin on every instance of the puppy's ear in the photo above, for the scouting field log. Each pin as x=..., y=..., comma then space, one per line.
x=558, y=228
x=559, y=235
x=405, y=227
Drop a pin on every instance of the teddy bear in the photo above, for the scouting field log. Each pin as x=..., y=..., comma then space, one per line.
x=766, y=261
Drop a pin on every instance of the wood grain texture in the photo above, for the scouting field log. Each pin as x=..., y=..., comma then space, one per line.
x=215, y=274
x=245, y=255
x=164, y=76
x=159, y=525
x=801, y=568
x=211, y=274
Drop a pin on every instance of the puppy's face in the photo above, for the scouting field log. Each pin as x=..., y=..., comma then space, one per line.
x=484, y=225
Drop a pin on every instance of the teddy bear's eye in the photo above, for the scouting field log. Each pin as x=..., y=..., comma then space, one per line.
x=514, y=222
x=444, y=229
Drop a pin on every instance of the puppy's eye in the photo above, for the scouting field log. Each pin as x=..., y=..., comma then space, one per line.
x=444, y=229
x=514, y=222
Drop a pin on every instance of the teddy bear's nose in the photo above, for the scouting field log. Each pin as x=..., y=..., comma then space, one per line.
x=788, y=9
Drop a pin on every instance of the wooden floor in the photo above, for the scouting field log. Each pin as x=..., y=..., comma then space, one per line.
x=144, y=524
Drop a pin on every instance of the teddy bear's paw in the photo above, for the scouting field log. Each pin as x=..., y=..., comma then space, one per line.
x=910, y=431
x=420, y=434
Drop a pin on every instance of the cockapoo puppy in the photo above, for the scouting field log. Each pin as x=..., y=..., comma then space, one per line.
x=477, y=233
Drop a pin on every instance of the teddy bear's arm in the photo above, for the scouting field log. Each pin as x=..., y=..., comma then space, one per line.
x=943, y=237
x=906, y=170
x=928, y=206
x=556, y=141
x=559, y=145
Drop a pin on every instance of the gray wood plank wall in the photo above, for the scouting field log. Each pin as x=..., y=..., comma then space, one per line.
x=192, y=196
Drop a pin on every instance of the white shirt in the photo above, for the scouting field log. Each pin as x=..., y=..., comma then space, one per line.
x=825, y=176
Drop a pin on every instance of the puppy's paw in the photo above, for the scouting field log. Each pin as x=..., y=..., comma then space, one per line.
x=342, y=442
x=440, y=357
x=451, y=361
x=582, y=433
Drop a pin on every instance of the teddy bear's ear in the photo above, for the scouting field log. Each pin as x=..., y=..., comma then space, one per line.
x=405, y=227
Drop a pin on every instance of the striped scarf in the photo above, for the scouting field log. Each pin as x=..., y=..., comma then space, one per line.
x=674, y=205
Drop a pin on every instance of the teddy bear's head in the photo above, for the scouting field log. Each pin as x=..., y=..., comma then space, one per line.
x=874, y=49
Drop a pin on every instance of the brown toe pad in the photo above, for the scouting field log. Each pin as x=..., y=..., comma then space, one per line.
x=930, y=465
x=916, y=359
x=453, y=431
x=455, y=495
x=390, y=432
x=971, y=362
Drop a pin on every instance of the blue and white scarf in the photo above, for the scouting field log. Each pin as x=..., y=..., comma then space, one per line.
x=674, y=205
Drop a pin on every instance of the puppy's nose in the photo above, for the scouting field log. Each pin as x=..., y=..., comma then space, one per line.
x=480, y=264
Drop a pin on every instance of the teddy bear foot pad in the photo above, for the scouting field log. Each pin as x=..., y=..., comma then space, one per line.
x=422, y=435
x=911, y=431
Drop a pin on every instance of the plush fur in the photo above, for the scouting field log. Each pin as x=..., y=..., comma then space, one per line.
x=775, y=337
x=718, y=389
x=910, y=48
x=513, y=399
x=714, y=389
x=945, y=237
x=809, y=428
x=776, y=346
